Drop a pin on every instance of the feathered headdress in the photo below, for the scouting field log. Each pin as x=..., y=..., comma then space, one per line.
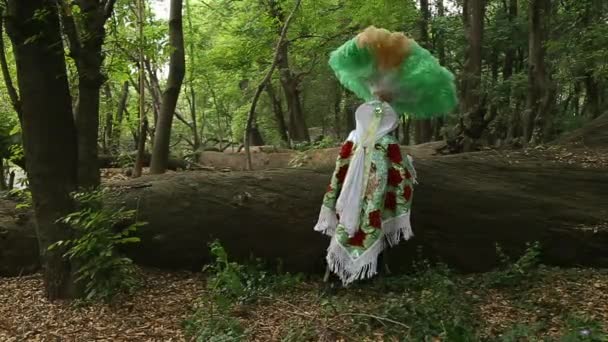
x=380, y=61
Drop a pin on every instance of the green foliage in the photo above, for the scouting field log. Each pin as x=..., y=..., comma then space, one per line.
x=585, y=329
x=231, y=284
x=94, y=247
x=326, y=142
x=214, y=324
x=430, y=303
x=518, y=272
x=236, y=283
x=521, y=332
x=23, y=196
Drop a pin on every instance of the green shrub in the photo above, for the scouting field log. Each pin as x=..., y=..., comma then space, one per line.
x=94, y=247
x=232, y=284
x=515, y=273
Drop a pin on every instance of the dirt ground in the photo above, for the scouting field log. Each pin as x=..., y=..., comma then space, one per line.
x=157, y=311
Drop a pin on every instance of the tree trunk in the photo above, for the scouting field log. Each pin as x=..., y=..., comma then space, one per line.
x=507, y=72
x=350, y=107
x=439, y=37
x=278, y=112
x=275, y=61
x=177, y=70
x=196, y=137
x=194, y=125
x=423, y=129
x=8, y=80
x=298, y=130
x=407, y=124
x=117, y=132
x=593, y=104
x=338, y=110
x=86, y=42
x=3, y=183
x=541, y=93
x=49, y=133
x=153, y=86
x=109, y=124
x=593, y=134
x=472, y=107
x=143, y=120
x=285, y=203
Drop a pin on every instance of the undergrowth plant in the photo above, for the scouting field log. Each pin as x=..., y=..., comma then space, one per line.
x=429, y=302
x=232, y=284
x=23, y=197
x=512, y=273
x=94, y=248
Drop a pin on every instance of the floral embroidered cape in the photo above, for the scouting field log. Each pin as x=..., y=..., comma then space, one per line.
x=385, y=213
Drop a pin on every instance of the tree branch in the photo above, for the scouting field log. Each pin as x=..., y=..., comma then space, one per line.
x=8, y=81
x=264, y=82
x=181, y=118
x=69, y=25
x=108, y=8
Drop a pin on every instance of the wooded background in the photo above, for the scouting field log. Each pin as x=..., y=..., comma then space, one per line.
x=109, y=80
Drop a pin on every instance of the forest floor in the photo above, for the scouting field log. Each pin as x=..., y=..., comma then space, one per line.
x=559, y=304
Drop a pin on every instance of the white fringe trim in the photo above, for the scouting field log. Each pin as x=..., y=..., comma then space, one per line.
x=397, y=229
x=328, y=222
x=349, y=269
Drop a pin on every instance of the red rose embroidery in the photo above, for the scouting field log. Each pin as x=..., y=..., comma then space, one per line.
x=329, y=188
x=394, y=153
x=375, y=219
x=346, y=150
x=408, y=175
x=342, y=173
x=390, y=202
x=357, y=239
x=407, y=193
x=394, y=177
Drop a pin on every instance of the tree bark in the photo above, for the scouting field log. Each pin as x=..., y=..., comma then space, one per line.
x=278, y=112
x=509, y=204
x=49, y=133
x=541, y=94
x=423, y=129
x=339, y=95
x=507, y=72
x=298, y=130
x=8, y=80
x=117, y=131
x=143, y=120
x=264, y=83
x=472, y=107
x=3, y=183
x=86, y=42
x=593, y=134
x=196, y=137
x=593, y=100
x=439, y=37
x=498, y=202
x=177, y=70
x=109, y=124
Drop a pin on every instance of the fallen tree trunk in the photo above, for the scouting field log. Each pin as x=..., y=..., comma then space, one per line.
x=463, y=206
x=593, y=134
x=113, y=161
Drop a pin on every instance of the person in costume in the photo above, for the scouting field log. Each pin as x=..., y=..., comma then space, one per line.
x=367, y=204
